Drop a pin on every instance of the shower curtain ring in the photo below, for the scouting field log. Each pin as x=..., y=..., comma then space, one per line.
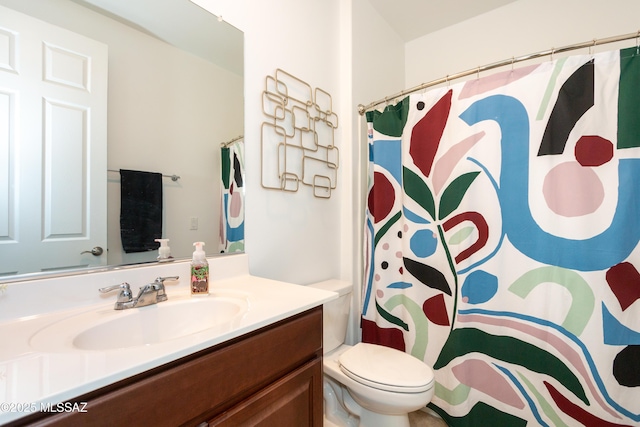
x=513, y=59
x=478, y=72
x=553, y=50
x=638, y=42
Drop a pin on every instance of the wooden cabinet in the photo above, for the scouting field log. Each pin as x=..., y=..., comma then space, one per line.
x=272, y=376
x=287, y=402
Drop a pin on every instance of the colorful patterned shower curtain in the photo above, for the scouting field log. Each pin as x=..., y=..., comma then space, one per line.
x=232, y=198
x=502, y=235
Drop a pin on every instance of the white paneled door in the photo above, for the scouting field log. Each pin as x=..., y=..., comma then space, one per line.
x=53, y=146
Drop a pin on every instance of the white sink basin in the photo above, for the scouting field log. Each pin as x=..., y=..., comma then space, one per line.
x=109, y=329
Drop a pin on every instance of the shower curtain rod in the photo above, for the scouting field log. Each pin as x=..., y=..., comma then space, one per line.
x=228, y=143
x=550, y=52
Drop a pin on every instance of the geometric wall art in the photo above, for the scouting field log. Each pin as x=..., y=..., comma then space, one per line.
x=297, y=142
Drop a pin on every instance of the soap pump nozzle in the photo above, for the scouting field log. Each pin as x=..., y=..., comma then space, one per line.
x=164, y=252
x=199, y=253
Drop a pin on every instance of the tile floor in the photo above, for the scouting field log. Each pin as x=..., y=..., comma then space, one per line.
x=423, y=419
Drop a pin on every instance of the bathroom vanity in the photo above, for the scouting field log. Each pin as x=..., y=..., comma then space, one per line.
x=272, y=375
x=264, y=365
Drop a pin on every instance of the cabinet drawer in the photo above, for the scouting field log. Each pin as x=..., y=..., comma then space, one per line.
x=198, y=387
x=293, y=401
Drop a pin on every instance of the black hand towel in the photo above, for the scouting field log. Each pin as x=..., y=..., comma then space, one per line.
x=140, y=210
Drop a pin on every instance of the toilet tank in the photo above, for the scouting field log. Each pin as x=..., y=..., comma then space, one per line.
x=335, y=313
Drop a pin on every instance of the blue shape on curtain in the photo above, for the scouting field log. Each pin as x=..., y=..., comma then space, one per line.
x=369, y=278
x=610, y=247
x=399, y=285
x=234, y=234
x=532, y=405
x=615, y=333
x=479, y=286
x=414, y=217
x=388, y=155
x=423, y=243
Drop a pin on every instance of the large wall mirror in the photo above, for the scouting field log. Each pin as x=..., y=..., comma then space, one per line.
x=140, y=85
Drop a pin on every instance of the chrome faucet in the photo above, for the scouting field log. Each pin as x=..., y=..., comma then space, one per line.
x=151, y=293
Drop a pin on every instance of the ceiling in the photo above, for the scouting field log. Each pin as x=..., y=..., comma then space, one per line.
x=410, y=19
x=415, y=18
x=183, y=24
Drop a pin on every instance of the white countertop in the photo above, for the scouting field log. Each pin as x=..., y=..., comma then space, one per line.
x=31, y=377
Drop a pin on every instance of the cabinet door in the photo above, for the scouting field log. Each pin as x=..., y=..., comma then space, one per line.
x=295, y=400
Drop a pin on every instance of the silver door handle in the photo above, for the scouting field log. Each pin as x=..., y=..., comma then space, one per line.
x=97, y=251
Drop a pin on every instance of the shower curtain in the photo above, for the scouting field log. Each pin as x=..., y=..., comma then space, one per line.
x=501, y=242
x=232, y=198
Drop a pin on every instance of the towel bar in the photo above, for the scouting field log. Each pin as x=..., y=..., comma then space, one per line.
x=174, y=178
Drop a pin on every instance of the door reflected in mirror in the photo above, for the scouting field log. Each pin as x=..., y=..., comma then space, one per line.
x=173, y=86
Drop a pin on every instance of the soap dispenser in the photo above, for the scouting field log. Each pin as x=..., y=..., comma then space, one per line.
x=199, y=271
x=164, y=252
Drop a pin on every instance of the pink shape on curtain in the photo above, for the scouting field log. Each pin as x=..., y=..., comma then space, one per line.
x=235, y=204
x=481, y=376
x=571, y=190
x=494, y=81
x=444, y=166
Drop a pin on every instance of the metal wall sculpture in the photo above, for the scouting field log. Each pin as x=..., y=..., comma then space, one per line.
x=297, y=143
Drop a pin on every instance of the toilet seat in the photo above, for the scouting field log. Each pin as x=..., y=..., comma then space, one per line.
x=386, y=369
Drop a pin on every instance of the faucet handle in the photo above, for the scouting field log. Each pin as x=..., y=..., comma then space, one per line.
x=158, y=284
x=162, y=279
x=124, y=286
x=124, y=293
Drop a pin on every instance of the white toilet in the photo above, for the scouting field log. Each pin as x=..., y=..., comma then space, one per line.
x=367, y=385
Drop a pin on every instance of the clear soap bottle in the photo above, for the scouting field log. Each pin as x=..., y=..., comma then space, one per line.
x=199, y=271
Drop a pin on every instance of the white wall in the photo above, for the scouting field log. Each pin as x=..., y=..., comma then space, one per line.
x=292, y=237
x=517, y=29
x=333, y=45
x=378, y=56
x=377, y=69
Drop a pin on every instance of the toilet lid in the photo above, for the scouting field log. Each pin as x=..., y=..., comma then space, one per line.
x=386, y=368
